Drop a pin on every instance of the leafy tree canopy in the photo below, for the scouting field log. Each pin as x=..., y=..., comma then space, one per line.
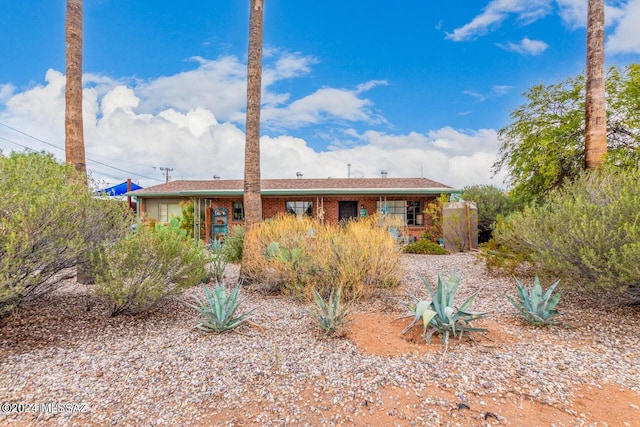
x=543, y=146
x=492, y=202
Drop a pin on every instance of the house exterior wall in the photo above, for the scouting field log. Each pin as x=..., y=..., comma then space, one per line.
x=274, y=205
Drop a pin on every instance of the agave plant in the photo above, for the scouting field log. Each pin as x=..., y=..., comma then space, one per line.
x=536, y=308
x=218, y=310
x=330, y=315
x=440, y=314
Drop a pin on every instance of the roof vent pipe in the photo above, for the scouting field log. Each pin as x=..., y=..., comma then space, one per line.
x=383, y=173
x=299, y=175
x=216, y=177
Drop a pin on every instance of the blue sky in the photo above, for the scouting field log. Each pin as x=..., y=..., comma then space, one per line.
x=414, y=88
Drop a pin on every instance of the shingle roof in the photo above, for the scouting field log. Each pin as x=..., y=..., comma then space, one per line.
x=299, y=186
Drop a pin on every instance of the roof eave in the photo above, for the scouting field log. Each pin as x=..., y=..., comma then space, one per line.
x=303, y=192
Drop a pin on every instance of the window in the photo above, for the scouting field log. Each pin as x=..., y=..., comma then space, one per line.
x=413, y=210
x=405, y=211
x=167, y=211
x=299, y=208
x=238, y=211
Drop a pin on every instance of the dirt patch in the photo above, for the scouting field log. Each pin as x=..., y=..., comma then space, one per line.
x=380, y=334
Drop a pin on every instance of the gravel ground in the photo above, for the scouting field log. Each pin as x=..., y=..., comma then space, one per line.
x=155, y=369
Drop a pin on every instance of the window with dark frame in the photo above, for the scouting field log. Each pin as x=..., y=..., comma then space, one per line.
x=299, y=208
x=413, y=210
x=238, y=211
x=406, y=211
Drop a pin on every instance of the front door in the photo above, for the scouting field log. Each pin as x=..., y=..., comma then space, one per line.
x=347, y=210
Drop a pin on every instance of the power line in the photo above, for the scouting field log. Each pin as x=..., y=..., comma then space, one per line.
x=62, y=149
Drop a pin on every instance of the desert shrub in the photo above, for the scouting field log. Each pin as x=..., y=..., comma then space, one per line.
x=588, y=231
x=425, y=247
x=233, y=244
x=292, y=255
x=361, y=257
x=506, y=252
x=139, y=270
x=187, y=218
x=49, y=220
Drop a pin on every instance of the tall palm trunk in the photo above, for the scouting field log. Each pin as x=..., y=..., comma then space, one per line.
x=595, y=142
x=73, y=129
x=252, y=198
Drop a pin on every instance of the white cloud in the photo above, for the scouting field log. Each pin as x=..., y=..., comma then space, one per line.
x=140, y=126
x=574, y=12
x=6, y=92
x=624, y=38
x=622, y=17
x=326, y=104
x=525, y=47
x=495, y=12
x=495, y=92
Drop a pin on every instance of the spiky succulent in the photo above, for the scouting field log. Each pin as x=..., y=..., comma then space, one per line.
x=440, y=314
x=330, y=315
x=535, y=307
x=218, y=310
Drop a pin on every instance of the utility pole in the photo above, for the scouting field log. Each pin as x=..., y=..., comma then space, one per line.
x=166, y=171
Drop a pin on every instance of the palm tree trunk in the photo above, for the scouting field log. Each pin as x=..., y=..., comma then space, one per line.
x=252, y=197
x=595, y=142
x=73, y=128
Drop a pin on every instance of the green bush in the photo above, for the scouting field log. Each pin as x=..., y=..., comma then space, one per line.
x=49, y=221
x=233, y=244
x=139, y=270
x=425, y=247
x=588, y=231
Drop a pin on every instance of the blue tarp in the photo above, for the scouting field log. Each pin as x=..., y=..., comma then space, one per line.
x=119, y=189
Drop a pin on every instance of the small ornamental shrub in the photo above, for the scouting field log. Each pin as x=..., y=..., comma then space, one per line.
x=233, y=244
x=425, y=247
x=139, y=270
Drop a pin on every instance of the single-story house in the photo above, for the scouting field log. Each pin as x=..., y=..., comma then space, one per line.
x=220, y=202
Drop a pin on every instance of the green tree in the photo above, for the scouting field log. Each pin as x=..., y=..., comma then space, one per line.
x=491, y=202
x=49, y=221
x=543, y=146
